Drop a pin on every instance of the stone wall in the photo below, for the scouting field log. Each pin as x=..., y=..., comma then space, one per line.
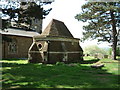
x=55, y=51
x=22, y=44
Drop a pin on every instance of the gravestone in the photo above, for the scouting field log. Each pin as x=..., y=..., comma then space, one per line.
x=105, y=56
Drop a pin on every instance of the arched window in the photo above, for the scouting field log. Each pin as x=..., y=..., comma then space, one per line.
x=12, y=46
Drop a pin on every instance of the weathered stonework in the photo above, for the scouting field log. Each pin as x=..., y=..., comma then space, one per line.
x=15, y=42
x=23, y=44
x=55, y=44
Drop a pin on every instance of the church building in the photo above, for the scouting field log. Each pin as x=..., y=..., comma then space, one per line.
x=15, y=42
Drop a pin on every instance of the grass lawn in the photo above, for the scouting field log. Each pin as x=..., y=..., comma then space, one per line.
x=21, y=74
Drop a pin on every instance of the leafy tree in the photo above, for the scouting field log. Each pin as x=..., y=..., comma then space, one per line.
x=94, y=49
x=103, y=20
x=117, y=51
x=5, y=24
x=24, y=12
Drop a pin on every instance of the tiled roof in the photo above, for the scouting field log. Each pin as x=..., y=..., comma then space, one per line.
x=57, y=28
x=19, y=32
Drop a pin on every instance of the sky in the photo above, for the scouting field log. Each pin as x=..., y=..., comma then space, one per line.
x=65, y=11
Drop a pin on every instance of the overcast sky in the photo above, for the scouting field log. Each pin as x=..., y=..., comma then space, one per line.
x=65, y=10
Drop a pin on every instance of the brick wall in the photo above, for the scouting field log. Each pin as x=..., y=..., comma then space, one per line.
x=22, y=44
x=56, y=51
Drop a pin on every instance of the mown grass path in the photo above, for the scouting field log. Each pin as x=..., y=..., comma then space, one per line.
x=20, y=74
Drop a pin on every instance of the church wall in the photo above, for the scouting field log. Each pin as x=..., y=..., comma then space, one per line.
x=21, y=47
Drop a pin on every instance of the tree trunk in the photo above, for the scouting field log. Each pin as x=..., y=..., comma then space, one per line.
x=1, y=47
x=114, y=36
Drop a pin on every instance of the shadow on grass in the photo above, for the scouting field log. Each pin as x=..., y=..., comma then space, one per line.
x=89, y=61
x=5, y=64
x=16, y=59
x=56, y=76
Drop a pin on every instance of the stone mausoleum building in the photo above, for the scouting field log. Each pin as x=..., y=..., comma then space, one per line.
x=55, y=44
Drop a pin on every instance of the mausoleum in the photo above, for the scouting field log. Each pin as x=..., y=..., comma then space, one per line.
x=55, y=44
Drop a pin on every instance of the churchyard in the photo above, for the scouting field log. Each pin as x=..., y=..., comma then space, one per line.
x=23, y=38
x=21, y=74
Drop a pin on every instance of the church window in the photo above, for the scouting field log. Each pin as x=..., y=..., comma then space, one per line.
x=12, y=47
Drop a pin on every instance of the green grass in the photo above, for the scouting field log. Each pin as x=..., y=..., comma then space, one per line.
x=21, y=74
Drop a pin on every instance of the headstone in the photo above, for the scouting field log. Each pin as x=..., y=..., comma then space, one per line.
x=95, y=56
x=109, y=56
x=100, y=56
x=99, y=66
x=105, y=56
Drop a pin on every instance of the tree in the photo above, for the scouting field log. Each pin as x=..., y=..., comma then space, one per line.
x=117, y=51
x=5, y=24
x=103, y=20
x=25, y=12
x=93, y=50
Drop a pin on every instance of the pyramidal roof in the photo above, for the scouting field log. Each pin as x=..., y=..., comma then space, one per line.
x=56, y=28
